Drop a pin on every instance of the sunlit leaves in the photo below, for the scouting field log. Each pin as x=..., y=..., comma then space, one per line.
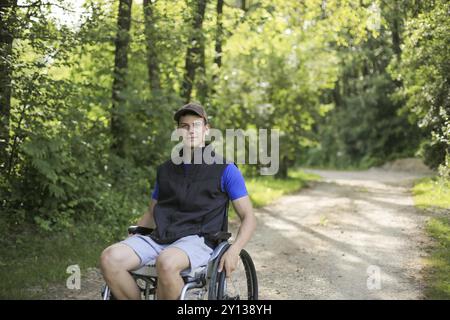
x=424, y=71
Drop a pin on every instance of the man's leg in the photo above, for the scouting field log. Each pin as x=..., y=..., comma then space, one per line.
x=115, y=263
x=169, y=264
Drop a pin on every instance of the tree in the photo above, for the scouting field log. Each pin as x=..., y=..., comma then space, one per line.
x=365, y=127
x=195, y=55
x=271, y=82
x=424, y=71
x=219, y=34
x=150, y=38
x=7, y=24
x=118, y=120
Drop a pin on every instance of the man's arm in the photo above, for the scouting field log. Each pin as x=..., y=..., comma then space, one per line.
x=147, y=219
x=244, y=209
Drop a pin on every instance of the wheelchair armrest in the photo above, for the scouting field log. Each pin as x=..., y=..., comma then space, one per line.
x=219, y=236
x=139, y=230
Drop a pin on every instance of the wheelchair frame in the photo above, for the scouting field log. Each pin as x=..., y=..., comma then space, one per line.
x=206, y=277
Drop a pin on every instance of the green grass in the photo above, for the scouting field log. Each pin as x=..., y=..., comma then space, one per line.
x=433, y=194
x=31, y=261
x=439, y=262
x=265, y=189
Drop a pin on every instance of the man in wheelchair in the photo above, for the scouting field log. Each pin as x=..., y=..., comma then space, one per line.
x=188, y=207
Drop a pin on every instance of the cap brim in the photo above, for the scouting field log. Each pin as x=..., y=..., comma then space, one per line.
x=181, y=112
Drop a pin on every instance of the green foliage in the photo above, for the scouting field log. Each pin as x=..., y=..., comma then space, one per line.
x=365, y=127
x=317, y=72
x=432, y=193
x=276, y=71
x=59, y=172
x=424, y=71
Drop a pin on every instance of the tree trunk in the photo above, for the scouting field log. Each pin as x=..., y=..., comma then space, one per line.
x=195, y=52
x=396, y=41
x=202, y=85
x=323, y=8
x=150, y=39
x=7, y=19
x=218, y=44
x=396, y=31
x=219, y=34
x=283, y=169
x=243, y=5
x=118, y=123
x=337, y=94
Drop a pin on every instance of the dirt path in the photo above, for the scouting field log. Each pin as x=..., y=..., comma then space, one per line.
x=325, y=241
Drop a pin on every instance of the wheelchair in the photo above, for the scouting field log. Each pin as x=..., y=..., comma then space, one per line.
x=204, y=282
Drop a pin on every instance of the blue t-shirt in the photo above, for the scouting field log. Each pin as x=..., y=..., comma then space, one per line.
x=232, y=182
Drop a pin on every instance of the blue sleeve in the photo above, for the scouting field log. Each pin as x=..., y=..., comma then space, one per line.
x=155, y=192
x=233, y=182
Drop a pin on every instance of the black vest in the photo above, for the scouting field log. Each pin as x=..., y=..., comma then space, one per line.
x=190, y=202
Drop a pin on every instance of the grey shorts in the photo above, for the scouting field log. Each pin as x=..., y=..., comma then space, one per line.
x=148, y=250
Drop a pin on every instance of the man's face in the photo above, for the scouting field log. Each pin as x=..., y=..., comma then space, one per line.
x=193, y=130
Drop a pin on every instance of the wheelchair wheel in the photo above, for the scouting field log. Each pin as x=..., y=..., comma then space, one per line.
x=242, y=284
x=146, y=285
x=106, y=293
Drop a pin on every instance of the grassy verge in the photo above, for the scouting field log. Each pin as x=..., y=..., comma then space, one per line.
x=30, y=262
x=265, y=189
x=433, y=194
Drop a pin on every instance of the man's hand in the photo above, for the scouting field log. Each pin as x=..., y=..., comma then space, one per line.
x=229, y=260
